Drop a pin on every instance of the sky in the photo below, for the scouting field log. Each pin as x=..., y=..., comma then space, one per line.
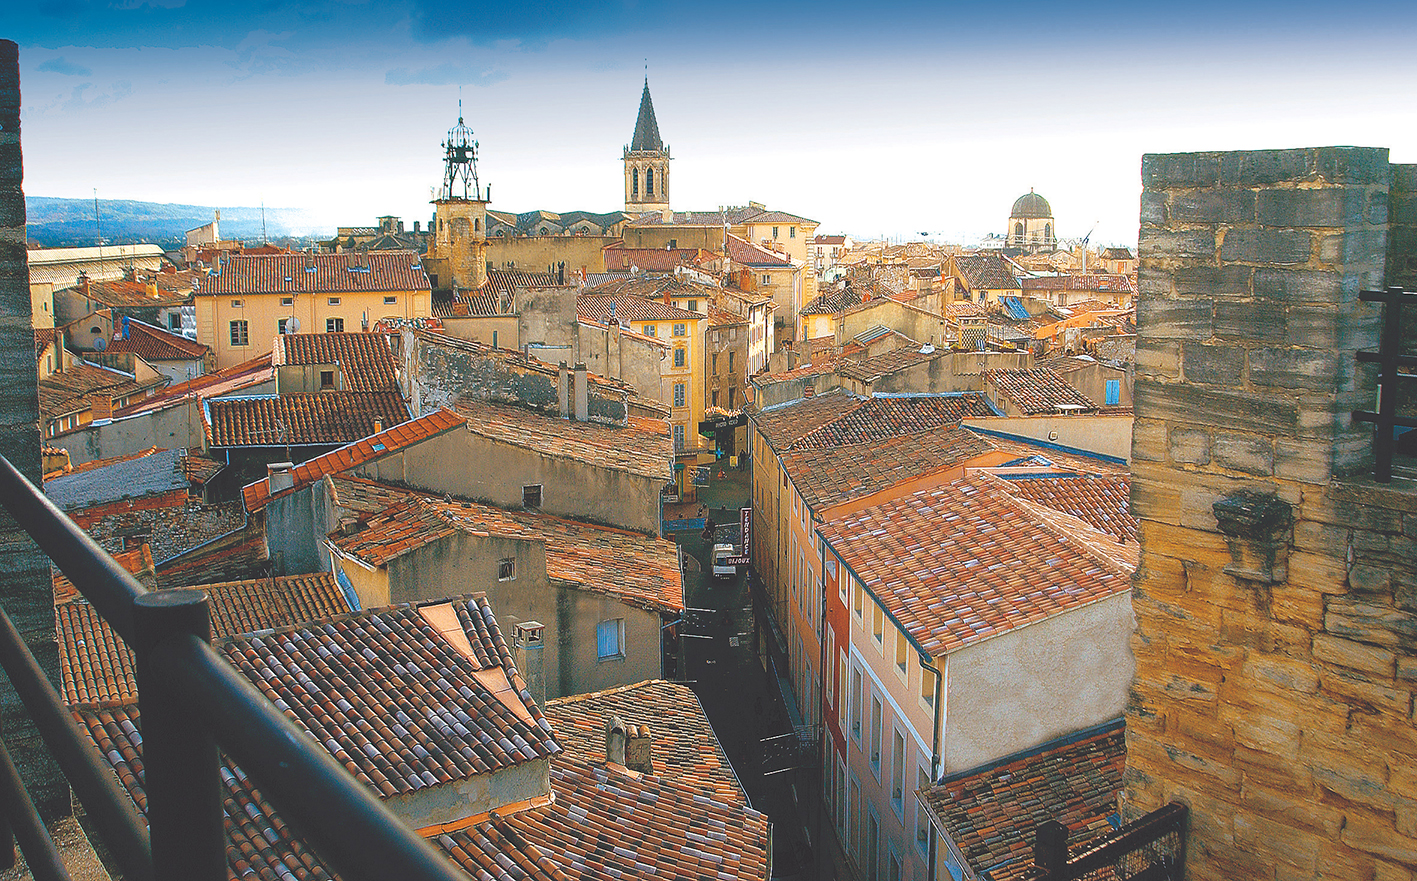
x=909, y=120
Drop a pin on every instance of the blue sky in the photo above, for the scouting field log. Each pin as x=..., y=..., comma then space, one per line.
x=900, y=120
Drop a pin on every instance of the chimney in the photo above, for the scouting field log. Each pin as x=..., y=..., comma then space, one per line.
x=582, y=394
x=808, y=391
x=638, y=752
x=84, y=283
x=529, y=640
x=563, y=394
x=281, y=476
x=102, y=408
x=615, y=740
x=378, y=424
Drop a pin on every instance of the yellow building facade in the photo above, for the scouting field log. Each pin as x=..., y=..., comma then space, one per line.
x=254, y=297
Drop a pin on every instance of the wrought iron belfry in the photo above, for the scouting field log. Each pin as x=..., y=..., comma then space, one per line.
x=1389, y=358
x=460, y=163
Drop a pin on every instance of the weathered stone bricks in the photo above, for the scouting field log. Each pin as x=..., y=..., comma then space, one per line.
x=1330, y=206
x=1212, y=364
x=1267, y=246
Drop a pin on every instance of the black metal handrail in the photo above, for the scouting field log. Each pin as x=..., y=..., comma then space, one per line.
x=1142, y=842
x=193, y=700
x=1388, y=358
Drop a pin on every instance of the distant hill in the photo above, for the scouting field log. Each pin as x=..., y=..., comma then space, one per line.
x=60, y=223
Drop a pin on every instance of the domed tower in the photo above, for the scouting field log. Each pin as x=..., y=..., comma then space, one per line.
x=457, y=250
x=1031, y=224
x=646, y=163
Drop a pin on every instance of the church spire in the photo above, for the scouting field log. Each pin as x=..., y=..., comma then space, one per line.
x=646, y=137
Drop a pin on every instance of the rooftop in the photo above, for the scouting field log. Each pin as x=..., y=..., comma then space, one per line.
x=1038, y=390
x=209, y=385
x=642, y=447
x=70, y=390
x=888, y=363
x=748, y=254
x=624, y=307
x=301, y=418
x=154, y=344
x=350, y=272
x=150, y=472
x=367, y=449
x=365, y=359
x=991, y=813
x=987, y=271
x=636, y=569
x=967, y=561
x=156, y=289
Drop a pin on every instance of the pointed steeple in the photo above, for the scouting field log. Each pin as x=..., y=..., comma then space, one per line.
x=646, y=137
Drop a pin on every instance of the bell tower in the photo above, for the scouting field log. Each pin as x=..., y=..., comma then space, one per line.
x=646, y=163
x=457, y=250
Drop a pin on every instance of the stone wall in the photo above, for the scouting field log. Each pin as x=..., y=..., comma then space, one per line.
x=24, y=571
x=1276, y=598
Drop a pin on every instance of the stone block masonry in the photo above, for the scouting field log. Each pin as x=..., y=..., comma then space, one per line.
x=25, y=590
x=1276, y=596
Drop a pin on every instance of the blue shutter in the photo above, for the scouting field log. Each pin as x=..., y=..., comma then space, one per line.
x=1114, y=392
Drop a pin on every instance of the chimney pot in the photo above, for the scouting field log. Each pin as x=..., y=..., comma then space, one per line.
x=582, y=394
x=563, y=393
x=281, y=476
x=639, y=751
x=615, y=738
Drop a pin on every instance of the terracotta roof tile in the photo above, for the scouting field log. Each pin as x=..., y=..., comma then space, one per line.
x=163, y=289
x=333, y=274
x=684, y=745
x=643, y=446
x=963, y=562
x=394, y=700
x=69, y=390
x=1102, y=501
x=1038, y=390
x=138, y=561
x=43, y=338
x=620, y=259
x=210, y=385
x=155, y=344
x=595, y=306
x=238, y=556
x=1092, y=281
x=987, y=271
x=830, y=476
x=301, y=419
x=991, y=813
x=636, y=569
x=365, y=359
x=368, y=449
x=784, y=424
x=873, y=369
x=748, y=254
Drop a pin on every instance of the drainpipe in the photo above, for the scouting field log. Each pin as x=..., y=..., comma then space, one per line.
x=925, y=664
x=822, y=696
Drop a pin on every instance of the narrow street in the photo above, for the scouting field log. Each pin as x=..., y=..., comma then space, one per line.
x=721, y=664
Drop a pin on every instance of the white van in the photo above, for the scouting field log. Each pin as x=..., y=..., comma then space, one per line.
x=721, y=567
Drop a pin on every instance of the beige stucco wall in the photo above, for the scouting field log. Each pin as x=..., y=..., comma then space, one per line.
x=262, y=312
x=1035, y=683
x=1103, y=435
x=541, y=253
x=472, y=466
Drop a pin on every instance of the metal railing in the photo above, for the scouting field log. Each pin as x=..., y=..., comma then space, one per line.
x=190, y=701
x=1389, y=358
x=1152, y=848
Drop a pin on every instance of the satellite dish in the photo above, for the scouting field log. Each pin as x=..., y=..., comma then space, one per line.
x=99, y=344
x=293, y=325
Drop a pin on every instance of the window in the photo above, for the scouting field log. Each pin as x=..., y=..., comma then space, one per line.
x=649, y=330
x=858, y=600
x=713, y=363
x=287, y=301
x=1114, y=392
x=327, y=380
x=334, y=301
x=730, y=361
x=927, y=687
x=679, y=394
x=876, y=736
x=792, y=232
x=610, y=639
x=494, y=339
x=678, y=357
x=531, y=496
x=774, y=232
x=174, y=321
x=237, y=304
x=634, y=182
x=767, y=279
x=856, y=704
x=873, y=846
x=900, y=651
x=389, y=301
x=730, y=397
x=841, y=690
x=898, y=773
x=715, y=398
x=693, y=305
x=678, y=437
x=649, y=181
x=679, y=329
x=334, y=325
x=922, y=818
x=281, y=324
x=878, y=623
x=507, y=569
x=893, y=868
x=240, y=336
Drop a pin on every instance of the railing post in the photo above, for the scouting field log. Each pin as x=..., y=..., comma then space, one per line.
x=182, y=772
x=1050, y=850
x=7, y=838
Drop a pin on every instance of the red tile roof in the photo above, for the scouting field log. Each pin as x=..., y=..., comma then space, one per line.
x=873, y=369
x=640, y=570
x=96, y=666
x=1092, y=281
x=223, y=382
x=685, y=746
x=748, y=254
x=364, y=358
x=333, y=274
x=165, y=289
x=643, y=446
x=1038, y=390
x=505, y=282
x=885, y=416
x=827, y=477
x=987, y=271
x=620, y=258
x=784, y=424
x=368, y=449
x=43, y=338
x=964, y=562
x=395, y=700
x=155, y=344
x=71, y=390
x=601, y=307
x=138, y=561
x=1102, y=501
x=992, y=813
x=301, y=419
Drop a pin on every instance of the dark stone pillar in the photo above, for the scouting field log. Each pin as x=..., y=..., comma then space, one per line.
x=24, y=572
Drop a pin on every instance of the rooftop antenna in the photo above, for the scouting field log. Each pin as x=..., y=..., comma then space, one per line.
x=460, y=161
x=263, y=221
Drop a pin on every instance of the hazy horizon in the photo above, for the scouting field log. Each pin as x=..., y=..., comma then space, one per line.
x=922, y=119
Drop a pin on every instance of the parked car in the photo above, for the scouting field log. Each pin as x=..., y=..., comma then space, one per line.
x=721, y=567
